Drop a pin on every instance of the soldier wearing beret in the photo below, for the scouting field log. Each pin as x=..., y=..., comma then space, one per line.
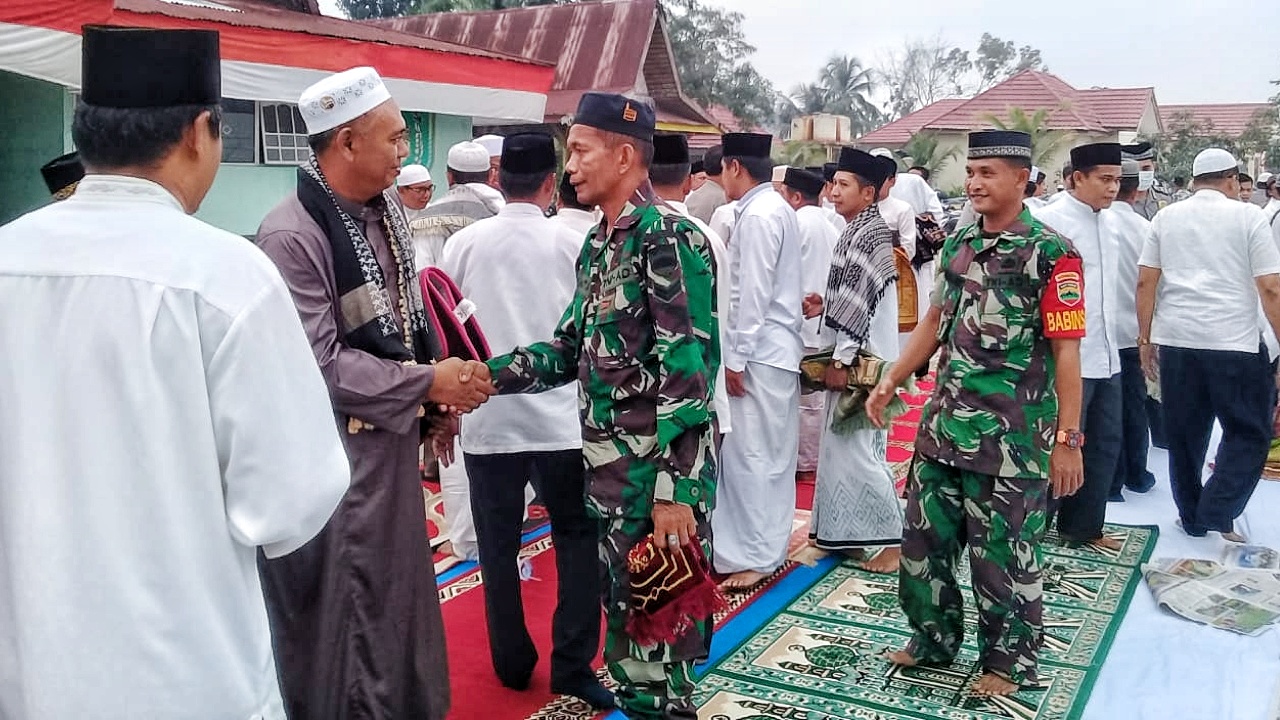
x=641, y=339
x=1002, y=427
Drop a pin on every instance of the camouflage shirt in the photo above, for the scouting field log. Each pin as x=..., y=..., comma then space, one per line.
x=642, y=340
x=995, y=409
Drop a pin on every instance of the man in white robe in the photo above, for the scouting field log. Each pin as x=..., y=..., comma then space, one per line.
x=470, y=198
x=755, y=501
x=520, y=439
x=164, y=419
x=801, y=190
x=1083, y=216
x=856, y=504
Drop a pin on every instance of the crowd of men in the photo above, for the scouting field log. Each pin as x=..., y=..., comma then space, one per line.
x=210, y=500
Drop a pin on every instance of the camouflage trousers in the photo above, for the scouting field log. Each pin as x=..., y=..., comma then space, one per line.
x=1002, y=520
x=654, y=681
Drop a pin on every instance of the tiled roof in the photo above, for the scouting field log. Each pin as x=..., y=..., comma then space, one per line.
x=1094, y=110
x=1229, y=119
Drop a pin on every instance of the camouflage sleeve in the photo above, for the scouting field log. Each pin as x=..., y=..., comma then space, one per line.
x=548, y=365
x=680, y=288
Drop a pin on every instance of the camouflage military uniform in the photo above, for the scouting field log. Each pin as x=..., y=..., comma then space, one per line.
x=984, y=443
x=641, y=338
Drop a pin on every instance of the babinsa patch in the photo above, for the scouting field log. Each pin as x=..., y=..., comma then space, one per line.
x=1067, y=287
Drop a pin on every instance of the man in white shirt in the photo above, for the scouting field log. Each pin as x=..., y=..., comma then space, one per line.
x=519, y=439
x=470, y=198
x=1132, y=231
x=414, y=188
x=897, y=214
x=1272, y=208
x=704, y=201
x=571, y=213
x=164, y=416
x=670, y=174
x=855, y=505
x=1198, y=304
x=801, y=189
x=914, y=190
x=755, y=501
x=723, y=219
x=1083, y=218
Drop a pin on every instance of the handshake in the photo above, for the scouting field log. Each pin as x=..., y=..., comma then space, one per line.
x=460, y=386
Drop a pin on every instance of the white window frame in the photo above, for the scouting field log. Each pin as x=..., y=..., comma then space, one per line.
x=271, y=141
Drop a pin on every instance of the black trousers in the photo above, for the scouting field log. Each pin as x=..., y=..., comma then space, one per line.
x=1131, y=469
x=1081, y=516
x=497, y=504
x=1199, y=386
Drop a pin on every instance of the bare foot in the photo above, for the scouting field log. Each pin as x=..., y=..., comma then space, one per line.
x=885, y=563
x=1107, y=543
x=446, y=548
x=743, y=581
x=992, y=685
x=1235, y=537
x=901, y=657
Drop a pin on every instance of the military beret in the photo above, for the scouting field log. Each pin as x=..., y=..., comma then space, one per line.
x=616, y=113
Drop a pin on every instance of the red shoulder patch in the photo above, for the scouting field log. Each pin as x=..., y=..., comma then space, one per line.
x=1062, y=306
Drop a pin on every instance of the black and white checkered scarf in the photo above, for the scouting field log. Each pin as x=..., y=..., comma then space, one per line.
x=862, y=268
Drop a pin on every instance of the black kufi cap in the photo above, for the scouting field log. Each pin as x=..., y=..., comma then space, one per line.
x=616, y=113
x=143, y=68
x=829, y=171
x=528, y=153
x=864, y=165
x=1138, y=151
x=804, y=181
x=747, y=145
x=890, y=166
x=670, y=149
x=697, y=166
x=62, y=172
x=1095, y=154
x=999, y=143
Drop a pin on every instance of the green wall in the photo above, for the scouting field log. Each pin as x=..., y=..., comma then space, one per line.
x=38, y=128
x=33, y=131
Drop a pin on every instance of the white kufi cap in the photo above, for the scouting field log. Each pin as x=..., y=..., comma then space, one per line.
x=341, y=98
x=413, y=175
x=1213, y=160
x=780, y=173
x=1265, y=177
x=881, y=152
x=492, y=144
x=469, y=157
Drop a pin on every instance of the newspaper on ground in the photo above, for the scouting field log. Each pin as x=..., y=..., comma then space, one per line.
x=1241, y=594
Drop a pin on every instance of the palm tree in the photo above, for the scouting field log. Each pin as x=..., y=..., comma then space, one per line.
x=847, y=86
x=1045, y=143
x=922, y=148
x=810, y=98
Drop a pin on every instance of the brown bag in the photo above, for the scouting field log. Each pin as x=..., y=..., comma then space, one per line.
x=908, y=295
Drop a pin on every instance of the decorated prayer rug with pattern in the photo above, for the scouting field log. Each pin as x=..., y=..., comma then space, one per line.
x=820, y=654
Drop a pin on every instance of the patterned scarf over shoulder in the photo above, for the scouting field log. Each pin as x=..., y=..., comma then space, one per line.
x=862, y=268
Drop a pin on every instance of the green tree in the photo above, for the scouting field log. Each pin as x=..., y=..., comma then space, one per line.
x=1045, y=143
x=1184, y=137
x=798, y=153
x=925, y=71
x=997, y=60
x=712, y=55
x=922, y=148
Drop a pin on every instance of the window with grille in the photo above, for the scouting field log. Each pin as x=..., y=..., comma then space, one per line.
x=239, y=132
x=284, y=135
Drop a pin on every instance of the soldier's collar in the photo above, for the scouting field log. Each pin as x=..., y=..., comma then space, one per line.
x=1019, y=228
x=641, y=199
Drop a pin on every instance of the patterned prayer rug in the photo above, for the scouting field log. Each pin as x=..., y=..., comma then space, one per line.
x=820, y=656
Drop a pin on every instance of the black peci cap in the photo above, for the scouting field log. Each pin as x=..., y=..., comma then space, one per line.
x=999, y=143
x=62, y=173
x=747, y=145
x=124, y=67
x=670, y=149
x=804, y=181
x=1089, y=156
x=863, y=164
x=528, y=153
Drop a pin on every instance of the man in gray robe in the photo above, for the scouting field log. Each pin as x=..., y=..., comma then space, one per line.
x=354, y=613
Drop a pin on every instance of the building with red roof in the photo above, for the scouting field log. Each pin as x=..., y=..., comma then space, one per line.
x=1227, y=119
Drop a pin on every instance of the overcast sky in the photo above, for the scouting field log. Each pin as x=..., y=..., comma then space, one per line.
x=1189, y=50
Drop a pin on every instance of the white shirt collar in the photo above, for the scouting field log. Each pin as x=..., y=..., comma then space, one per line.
x=521, y=208
x=124, y=188
x=1079, y=206
x=752, y=194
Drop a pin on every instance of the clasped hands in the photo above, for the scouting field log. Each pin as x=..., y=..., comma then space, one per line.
x=460, y=386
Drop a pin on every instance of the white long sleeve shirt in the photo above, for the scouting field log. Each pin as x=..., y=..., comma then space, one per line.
x=817, y=243
x=765, y=316
x=916, y=192
x=1132, y=232
x=901, y=220
x=1094, y=236
x=520, y=269
x=724, y=291
x=164, y=418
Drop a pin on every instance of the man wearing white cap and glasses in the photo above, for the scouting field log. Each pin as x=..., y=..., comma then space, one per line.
x=354, y=613
x=470, y=198
x=415, y=189
x=1209, y=260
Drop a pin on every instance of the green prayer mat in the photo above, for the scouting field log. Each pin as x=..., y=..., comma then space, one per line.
x=820, y=657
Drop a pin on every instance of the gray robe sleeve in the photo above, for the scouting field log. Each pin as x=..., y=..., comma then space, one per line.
x=383, y=393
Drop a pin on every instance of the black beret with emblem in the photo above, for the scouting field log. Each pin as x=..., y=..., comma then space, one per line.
x=670, y=149
x=62, y=173
x=863, y=164
x=1139, y=151
x=124, y=67
x=804, y=181
x=616, y=113
x=999, y=143
x=528, y=153
x=1090, y=156
x=747, y=145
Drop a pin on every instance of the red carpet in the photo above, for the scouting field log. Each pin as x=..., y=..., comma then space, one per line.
x=477, y=695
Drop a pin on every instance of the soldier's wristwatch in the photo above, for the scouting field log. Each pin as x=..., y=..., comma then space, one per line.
x=1073, y=439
